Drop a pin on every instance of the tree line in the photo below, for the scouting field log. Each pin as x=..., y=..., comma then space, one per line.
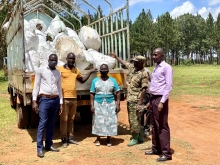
x=187, y=39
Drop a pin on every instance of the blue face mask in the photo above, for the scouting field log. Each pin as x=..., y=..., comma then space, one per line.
x=52, y=64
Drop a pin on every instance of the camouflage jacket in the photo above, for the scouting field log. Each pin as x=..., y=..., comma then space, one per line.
x=136, y=81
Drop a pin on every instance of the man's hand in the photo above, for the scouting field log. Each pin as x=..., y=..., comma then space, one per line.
x=35, y=107
x=113, y=55
x=92, y=109
x=94, y=70
x=61, y=109
x=160, y=107
x=117, y=108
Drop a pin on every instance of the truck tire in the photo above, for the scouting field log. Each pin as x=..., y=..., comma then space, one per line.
x=12, y=98
x=22, y=116
x=85, y=114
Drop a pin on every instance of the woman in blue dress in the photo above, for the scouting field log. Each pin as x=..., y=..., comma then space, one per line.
x=104, y=106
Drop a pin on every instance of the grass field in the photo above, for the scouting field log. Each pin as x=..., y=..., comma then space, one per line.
x=203, y=80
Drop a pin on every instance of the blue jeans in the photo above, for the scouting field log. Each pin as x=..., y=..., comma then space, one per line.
x=48, y=109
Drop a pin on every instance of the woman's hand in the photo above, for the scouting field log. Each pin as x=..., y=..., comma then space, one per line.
x=92, y=109
x=117, y=108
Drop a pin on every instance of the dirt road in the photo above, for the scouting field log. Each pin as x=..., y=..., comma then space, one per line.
x=195, y=131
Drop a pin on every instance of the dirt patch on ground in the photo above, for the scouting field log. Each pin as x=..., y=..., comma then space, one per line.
x=195, y=130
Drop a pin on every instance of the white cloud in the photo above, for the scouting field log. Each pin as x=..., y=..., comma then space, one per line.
x=214, y=11
x=202, y=11
x=133, y=2
x=213, y=2
x=120, y=6
x=186, y=7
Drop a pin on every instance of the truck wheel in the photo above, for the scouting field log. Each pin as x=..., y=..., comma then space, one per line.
x=22, y=116
x=85, y=114
x=13, y=102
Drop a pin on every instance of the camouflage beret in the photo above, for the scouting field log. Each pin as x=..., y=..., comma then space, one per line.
x=139, y=58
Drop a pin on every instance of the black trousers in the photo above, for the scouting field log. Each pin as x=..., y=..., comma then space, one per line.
x=160, y=127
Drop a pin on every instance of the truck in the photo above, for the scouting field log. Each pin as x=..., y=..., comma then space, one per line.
x=113, y=30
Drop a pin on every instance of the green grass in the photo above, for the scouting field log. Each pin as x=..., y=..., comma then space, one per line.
x=7, y=114
x=203, y=80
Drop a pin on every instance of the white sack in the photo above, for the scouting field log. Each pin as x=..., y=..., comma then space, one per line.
x=32, y=60
x=99, y=59
x=42, y=37
x=73, y=34
x=31, y=40
x=88, y=56
x=57, y=26
x=57, y=37
x=34, y=22
x=5, y=26
x=66, y=45
x=26, y=25
x=45, y=51
x=90, y=38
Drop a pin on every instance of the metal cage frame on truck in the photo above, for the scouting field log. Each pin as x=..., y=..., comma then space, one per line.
x=113, y=30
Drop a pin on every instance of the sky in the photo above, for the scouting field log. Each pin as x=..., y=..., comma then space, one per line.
x=158, y=7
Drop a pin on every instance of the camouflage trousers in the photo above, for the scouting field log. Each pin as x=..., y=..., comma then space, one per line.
x=134, y=118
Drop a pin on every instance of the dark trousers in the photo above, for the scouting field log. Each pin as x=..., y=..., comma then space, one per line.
x=160, y=127
x=145, y=120
x=48, y=109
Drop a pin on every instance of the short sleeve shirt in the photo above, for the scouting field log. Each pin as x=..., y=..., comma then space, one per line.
x=137, y=80
x=69, y=77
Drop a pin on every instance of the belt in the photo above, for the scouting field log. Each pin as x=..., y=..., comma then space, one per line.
x=49, y=96
x=155, y=96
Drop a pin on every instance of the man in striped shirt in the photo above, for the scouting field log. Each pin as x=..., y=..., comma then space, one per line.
x=70, y=74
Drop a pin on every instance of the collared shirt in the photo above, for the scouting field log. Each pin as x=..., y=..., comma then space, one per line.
x=104, y=89
x=69, y=77
x=47, y=82
x=161, y=82
x=137, y=80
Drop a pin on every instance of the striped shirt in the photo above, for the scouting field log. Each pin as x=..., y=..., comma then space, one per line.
x=69, y=77
x=47, y=82
x=161, y=82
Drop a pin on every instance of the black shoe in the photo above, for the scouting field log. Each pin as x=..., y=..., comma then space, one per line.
x=40, y=154
x=151, y=153
x=64, y=142
x=163, y=158
x=52, y=149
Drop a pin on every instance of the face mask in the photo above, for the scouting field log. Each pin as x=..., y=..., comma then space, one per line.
x=104, y=73
x=52, y=64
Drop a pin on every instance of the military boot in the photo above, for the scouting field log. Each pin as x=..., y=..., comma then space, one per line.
x=134, y=139
x=141, y=136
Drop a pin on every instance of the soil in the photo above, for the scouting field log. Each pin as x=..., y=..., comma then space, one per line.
x=195, y=130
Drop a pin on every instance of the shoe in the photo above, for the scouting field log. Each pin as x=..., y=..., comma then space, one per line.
x=163, y=158
x=52, y=149
x=64, y=142
x=72, y=141
x=134, y=139
x=40, y=154
x=97, y=143
x=109, y=144
x=146, y=133
x=151, y=153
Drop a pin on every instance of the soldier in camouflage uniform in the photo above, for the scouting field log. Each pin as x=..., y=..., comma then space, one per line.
x=137, y=80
